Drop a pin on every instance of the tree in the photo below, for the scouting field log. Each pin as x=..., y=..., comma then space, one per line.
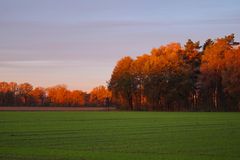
x=137, y=71
x=192, y=59
x=213, y=63
x=207, y=43
x=38, y=96
x=121, y=82
x=4, y=89
x=231, y=78
x=98, y=95
x=12, y=93
x=57, y=95
x=77, y=98
x=165, y=77
x=23, y=93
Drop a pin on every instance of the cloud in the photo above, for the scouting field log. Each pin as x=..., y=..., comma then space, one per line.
x=50, y=64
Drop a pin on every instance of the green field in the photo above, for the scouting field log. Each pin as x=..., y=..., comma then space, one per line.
x=119, y=135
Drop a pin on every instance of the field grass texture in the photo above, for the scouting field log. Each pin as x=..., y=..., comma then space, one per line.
x=119, y=136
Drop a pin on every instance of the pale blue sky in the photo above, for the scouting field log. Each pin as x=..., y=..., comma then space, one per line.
x=78, y=42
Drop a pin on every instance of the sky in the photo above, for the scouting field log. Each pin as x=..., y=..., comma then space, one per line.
x=78, y=42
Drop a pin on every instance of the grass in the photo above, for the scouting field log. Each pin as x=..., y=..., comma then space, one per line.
x=119, y=136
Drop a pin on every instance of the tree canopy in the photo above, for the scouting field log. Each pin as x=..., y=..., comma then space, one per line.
x=188, y=78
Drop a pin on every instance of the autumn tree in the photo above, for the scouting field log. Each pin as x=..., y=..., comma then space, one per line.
x=4, y=89
x=121, y=82
x=8, y=93
x=138, y=74
x=57, y=95
x=38, y=96
x=165, y=77
x=12, y=94
x=60, y=96
x=152, y=81
x=77, y=98
x=192, y=59
x=24, y=93
x=98, y=95
x=213, y=64
x=207, y=43
x=231, y=78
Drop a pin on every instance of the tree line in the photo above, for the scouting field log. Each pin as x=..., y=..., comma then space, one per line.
x=13, y=94
x=169, y=78
x=176, y=78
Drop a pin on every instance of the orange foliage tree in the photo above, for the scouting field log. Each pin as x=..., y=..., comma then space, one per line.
x=99, y=95
x=121, y=83
x=60, y=96
x=38, y=96
x=23, y=93
x=218, y=69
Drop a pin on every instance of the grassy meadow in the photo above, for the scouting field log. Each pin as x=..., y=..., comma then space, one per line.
x=119, y=136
